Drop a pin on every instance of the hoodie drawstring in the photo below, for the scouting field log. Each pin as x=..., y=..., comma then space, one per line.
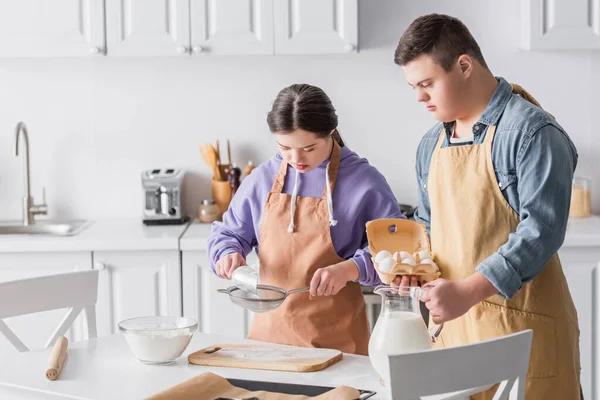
x=293, y=207
x=332, y=222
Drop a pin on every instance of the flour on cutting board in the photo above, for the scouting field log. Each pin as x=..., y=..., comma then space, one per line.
x=274, y=354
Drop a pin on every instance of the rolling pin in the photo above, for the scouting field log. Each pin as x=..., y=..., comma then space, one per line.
x=57, y=358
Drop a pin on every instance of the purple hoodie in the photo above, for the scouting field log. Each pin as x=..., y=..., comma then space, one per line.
x=361, y=194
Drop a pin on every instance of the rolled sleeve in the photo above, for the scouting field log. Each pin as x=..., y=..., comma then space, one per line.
x=545, y=167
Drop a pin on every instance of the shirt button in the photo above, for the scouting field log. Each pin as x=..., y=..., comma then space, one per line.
x=476, y=127
x=424, y=186
x=500, y=184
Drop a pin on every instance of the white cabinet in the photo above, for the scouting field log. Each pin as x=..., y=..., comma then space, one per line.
x=232, y=26
x=580, y=266
x=315, y=26
x=561, y=24
x=214, y=311
x=71, y=28
x=57, y=28
x=148, y=27
x=35, y=329
x=136, y=284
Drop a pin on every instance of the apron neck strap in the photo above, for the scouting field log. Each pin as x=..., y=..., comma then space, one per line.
x=441, y=139
x=333, y=168
x=280, y=178
x=489, y=135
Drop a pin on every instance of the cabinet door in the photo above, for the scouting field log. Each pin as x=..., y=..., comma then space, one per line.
x=561, y=25
x=136, y=284
x=148, y=27
x=232, y=26
x=214, y=311
x=35, y=329
x=57, y=28
x=315, y=26
x=581, y=279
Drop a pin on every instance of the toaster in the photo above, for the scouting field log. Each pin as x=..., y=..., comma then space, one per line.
x=163, y=196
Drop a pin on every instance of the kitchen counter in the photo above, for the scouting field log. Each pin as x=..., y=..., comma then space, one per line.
x=105, y=368
x=584, y=232
x=131, y=234
x=195, y=237
x=109, y=234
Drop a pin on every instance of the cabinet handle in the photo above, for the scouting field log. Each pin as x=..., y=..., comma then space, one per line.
x=100, y=266
x=94, y=50
x=350, y=47
x=182, y=50
x=198, y=49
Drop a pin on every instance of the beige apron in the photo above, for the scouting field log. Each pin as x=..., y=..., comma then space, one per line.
x=470, y=220
x=289, y=260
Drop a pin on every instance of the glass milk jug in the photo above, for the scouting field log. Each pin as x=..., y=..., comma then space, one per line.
x=400, y=327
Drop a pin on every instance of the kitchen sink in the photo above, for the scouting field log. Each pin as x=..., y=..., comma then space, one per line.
x=53, y=228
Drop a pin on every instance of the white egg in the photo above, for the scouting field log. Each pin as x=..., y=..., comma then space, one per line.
x=424, y=255
x=382, y=255
x=428, y=262
x=387, y=264
x=408, y=261
x=404, y=255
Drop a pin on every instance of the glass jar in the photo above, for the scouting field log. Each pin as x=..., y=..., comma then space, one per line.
x=580, y=198
x=208, y=211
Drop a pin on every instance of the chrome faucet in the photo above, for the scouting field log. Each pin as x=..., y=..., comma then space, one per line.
x=30, y=209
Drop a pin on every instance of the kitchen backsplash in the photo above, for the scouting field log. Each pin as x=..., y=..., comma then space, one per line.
x=96, y=124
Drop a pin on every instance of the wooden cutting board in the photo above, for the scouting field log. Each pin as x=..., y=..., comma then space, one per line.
x=270, y=357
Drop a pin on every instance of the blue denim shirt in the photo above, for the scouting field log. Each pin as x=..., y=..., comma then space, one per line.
x=534, y=161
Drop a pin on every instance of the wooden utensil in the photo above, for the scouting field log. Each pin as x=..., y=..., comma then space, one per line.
x=57, y=358
x=229, y=153
x=267, y=357
x=218, y=153
x=209, y=154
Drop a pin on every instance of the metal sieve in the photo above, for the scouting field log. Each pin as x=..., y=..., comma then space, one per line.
x=267, y=298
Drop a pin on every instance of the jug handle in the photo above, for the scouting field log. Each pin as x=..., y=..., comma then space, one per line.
x=436, y=330
x=435, y=333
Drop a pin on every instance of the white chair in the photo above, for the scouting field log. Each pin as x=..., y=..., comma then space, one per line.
x=457, y=372
x=77, y=290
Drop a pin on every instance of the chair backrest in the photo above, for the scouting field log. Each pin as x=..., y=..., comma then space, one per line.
x=503, y=360
x=74, y=290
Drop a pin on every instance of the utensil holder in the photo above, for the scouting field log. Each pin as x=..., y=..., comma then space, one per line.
x=222, y=195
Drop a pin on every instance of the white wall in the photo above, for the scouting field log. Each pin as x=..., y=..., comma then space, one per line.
x=95, y=124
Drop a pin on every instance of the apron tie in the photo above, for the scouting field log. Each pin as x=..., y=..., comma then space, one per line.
x=518, y=89
x=293, y=205
x=332, y=222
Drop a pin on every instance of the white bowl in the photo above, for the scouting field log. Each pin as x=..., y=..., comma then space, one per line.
x=158, y=340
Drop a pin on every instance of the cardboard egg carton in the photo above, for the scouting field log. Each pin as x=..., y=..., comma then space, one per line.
x=401, y=235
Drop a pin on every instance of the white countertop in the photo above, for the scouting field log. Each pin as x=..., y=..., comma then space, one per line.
x=130, y=234
x=583, y=232
x=106, y=369
x=108, y=234
x=195, y=237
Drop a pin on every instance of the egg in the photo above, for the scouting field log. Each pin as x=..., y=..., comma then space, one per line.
x=428, y=262
x=408, y=261
x=404, y=255
x=387, y=264
x=382, y=255
x=424, y=255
